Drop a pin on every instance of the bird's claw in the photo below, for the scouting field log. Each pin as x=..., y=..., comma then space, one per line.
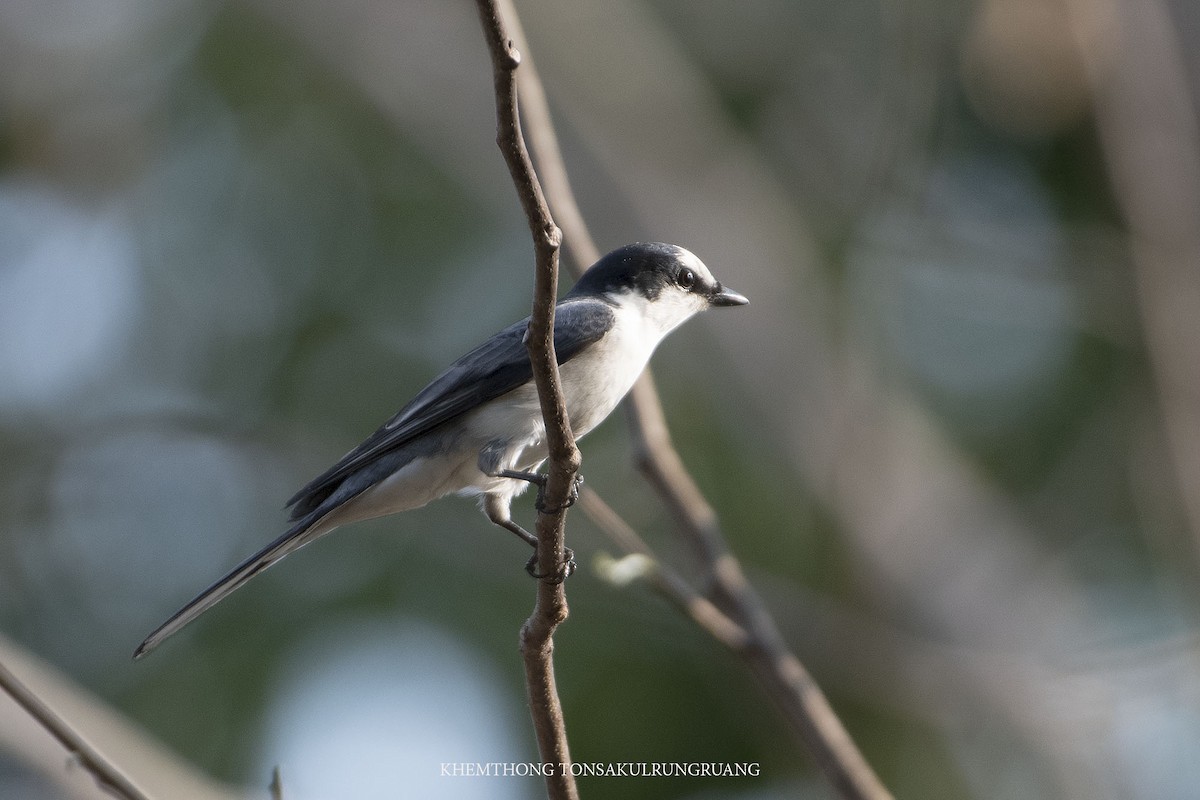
x=565, y=571
x=572, y=495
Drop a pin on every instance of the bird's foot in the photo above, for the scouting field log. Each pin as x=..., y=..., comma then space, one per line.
x=572, y=496
x=565, y=571
x=539, y=480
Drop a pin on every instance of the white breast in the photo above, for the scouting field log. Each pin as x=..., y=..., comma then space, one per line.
x=594, y=381
x=597, y=379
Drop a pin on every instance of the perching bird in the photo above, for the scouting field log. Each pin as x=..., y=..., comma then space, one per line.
x=477, y=429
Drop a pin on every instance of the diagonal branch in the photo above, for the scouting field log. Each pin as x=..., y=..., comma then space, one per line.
x=550, y=608
x=107, y=776
x=778, y=670
x=641, y=563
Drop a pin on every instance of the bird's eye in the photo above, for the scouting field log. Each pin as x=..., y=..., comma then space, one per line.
x=686, y=278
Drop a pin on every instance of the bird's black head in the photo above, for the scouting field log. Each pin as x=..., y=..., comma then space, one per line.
x=650, y=268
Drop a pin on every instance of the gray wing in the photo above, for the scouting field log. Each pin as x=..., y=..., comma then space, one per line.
x=499, y=365
x=495, y=367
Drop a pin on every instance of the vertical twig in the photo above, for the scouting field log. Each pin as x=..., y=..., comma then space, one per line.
x=107, y=776
x=779, y=671
x=550, y=608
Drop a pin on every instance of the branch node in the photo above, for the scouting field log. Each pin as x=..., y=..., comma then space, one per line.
x=512, y=56
x=572, y=460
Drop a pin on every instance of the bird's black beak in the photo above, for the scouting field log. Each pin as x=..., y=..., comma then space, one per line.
x=723, y=296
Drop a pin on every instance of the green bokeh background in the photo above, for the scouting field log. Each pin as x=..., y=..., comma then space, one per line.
x=235, y=237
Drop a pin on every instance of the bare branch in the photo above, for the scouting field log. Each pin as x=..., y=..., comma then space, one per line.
x=643, y=564
x=778, y=670
x=107, y=776
x=550, y=609
x=752, y=634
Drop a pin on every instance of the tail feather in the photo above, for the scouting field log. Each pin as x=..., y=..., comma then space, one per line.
x=293, y=539
x=317, y=510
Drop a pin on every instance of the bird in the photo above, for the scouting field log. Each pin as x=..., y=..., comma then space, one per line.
x=477, y=428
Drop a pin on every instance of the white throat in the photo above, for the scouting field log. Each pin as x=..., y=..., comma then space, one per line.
x=659, y=316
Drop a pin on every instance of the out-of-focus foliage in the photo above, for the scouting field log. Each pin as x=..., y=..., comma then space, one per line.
x=235, y=237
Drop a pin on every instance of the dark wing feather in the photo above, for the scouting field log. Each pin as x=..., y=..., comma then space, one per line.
x=495, y=367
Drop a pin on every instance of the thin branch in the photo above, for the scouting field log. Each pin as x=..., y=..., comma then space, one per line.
x=752, y=635
x=779, y=671
x=107, y=776
x=275, y=787
x=550, y=608
x=643, y=564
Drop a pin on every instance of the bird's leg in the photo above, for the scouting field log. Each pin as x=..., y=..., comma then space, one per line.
x=494, y=453
x=536, y=478
x=496, y=509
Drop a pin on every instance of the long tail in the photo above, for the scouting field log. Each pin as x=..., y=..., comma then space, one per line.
x=300, y=534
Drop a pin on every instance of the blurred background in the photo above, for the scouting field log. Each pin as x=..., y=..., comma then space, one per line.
x=955, y=438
